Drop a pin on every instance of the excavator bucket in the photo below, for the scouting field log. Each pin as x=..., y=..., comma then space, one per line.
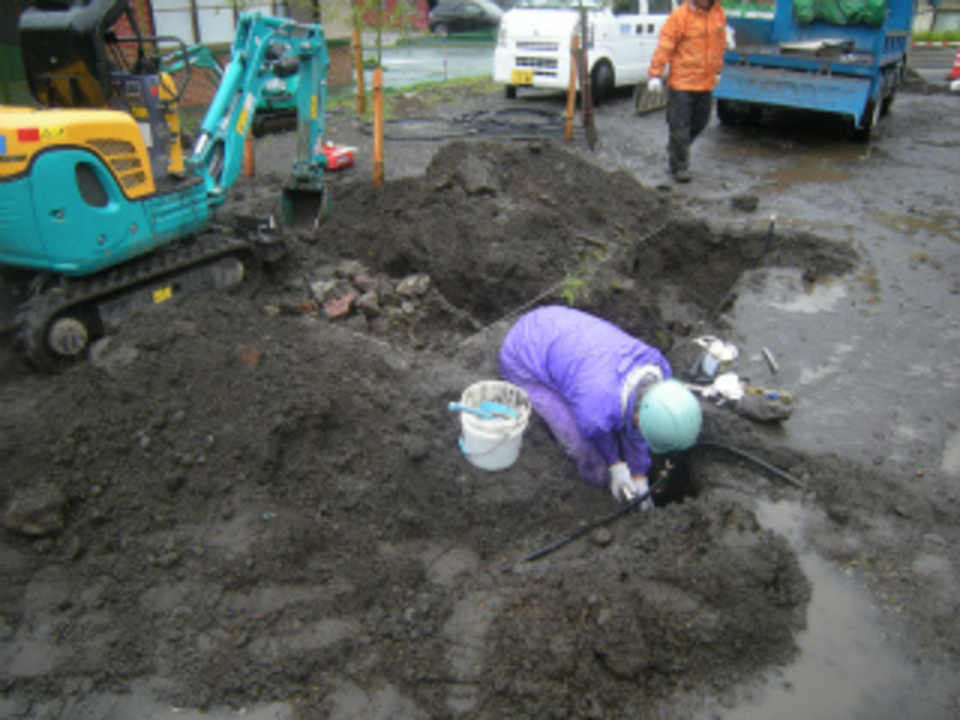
x=304, y=205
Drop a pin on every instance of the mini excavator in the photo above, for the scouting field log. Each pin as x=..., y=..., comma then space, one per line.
x=277, y=109
x=103, y=207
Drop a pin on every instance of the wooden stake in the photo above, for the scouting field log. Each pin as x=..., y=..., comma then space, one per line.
x=586, y=94
x=248, y=164
x=572, y=88
x=378, y=127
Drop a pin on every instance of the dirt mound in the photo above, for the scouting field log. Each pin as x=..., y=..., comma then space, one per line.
x=241, y=501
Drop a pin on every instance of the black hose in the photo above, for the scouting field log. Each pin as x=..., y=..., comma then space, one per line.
x=633, y=504
x=786, y=477
x=579, y=532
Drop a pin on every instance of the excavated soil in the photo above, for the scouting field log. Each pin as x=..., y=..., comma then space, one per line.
x=247, y=502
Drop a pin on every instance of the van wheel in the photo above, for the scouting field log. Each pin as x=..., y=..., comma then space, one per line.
x=510, y=92
x=601, y=82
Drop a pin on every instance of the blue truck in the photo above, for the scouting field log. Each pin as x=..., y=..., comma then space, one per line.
x=845, y=57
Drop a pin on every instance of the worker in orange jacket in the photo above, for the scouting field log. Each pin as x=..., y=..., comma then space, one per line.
x=692, y=42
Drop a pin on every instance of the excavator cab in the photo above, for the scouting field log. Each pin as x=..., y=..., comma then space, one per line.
x=74, y=59
x=64, y=52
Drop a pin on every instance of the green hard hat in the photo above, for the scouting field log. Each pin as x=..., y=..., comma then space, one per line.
x=669, y=417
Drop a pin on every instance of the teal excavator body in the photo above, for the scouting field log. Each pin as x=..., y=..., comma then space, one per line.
x=102, y=208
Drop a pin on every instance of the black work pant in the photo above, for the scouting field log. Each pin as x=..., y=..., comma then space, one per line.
x=688, y=113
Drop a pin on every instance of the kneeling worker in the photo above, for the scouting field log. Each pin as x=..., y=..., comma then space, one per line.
x=608, y=398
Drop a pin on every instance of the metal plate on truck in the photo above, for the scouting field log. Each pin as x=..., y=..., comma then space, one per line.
x=521, y=77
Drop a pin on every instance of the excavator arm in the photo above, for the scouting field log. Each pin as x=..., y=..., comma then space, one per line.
x=265, y=49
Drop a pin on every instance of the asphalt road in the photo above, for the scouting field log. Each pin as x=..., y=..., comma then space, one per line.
x=933, y=64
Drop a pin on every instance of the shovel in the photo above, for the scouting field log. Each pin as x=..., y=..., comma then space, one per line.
x=645, y=101
x=487, y=410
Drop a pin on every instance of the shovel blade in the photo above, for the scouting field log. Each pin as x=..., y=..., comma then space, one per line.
x=645, y=101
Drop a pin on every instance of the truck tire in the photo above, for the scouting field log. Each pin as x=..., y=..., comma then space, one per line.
x=733, y=112
x=892, y=80
x=725, y=113
x=887, y=103
x=601, y=82
x=510, y=92
x=871, y=116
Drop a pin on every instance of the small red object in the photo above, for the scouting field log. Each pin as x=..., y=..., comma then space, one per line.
x=955, y=70
x=338, y=307
x=338, y=156
x=250, y=357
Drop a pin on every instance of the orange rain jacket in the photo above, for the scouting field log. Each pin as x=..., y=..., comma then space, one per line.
x=692, y=41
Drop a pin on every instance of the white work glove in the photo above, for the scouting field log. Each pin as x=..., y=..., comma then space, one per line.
x=625, y=488
x=654, y=85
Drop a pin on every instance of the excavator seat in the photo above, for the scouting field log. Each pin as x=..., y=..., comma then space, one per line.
x=64, y=51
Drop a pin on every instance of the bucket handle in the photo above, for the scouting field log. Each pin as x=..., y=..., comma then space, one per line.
x=486, y=411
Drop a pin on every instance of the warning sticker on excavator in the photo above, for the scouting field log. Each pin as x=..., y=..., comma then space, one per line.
x=249, y=105
x=52, y=133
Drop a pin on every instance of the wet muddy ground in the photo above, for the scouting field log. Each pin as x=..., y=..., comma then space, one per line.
x=242, y=507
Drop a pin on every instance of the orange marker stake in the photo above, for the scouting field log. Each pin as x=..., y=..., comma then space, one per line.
x=572, y=88
x=377, y=127
x=248, y=164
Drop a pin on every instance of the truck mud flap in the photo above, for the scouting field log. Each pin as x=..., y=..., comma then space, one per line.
x=804, y=91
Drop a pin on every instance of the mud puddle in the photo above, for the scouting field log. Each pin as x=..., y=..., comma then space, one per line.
x=829, y=340
x=847, y=666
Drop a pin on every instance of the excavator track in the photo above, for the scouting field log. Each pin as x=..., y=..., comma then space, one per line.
x=57, y=324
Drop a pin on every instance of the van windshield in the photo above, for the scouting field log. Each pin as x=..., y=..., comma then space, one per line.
x=558, y=4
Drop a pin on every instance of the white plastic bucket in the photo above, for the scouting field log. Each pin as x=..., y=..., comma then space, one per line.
x=493, y=443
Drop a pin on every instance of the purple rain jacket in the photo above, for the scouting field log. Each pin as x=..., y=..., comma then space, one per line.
x=573, y=367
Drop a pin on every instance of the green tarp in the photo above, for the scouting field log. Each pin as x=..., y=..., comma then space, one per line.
x=841, y=12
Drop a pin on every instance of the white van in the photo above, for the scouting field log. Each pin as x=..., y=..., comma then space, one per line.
x=533, y=47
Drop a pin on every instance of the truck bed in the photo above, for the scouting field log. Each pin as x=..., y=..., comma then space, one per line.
x=823, y=57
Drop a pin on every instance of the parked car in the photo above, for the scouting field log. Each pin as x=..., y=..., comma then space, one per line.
x=452, y=16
